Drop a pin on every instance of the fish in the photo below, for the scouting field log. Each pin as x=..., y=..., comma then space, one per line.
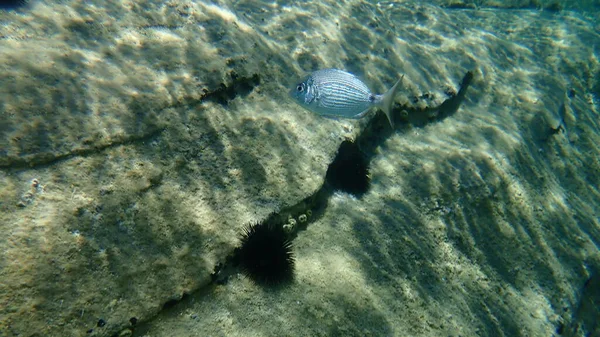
x=336, y=93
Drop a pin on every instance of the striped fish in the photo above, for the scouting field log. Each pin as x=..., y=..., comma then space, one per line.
x=336, y=93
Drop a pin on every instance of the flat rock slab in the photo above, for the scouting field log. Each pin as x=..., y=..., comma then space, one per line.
x=481, y=224
x=137, y=139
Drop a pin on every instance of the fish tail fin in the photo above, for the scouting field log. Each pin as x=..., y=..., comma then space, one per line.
x=388, y=101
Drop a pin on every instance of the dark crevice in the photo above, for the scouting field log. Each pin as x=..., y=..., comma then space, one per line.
x=407, y=117
x=554, y=6
x=583, y=321
x=349, y=171
x=356, y=155
x=49, y=158
x=296, y=218
x=171, y=303
x=240, y=86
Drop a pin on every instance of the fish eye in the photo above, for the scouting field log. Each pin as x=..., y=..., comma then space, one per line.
x=300, y=87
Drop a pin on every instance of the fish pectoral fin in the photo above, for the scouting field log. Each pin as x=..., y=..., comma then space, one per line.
x=362, y=114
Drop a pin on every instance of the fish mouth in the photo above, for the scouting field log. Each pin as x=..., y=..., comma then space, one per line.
x=292, y=91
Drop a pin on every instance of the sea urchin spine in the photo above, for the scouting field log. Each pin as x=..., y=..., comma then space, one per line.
x=265, y=254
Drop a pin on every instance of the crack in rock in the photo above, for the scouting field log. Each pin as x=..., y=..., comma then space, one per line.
x=240, y=86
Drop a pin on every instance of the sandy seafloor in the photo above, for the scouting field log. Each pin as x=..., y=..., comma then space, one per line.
x=138, y=138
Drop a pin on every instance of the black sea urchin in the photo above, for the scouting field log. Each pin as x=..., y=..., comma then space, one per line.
x=266, y=254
